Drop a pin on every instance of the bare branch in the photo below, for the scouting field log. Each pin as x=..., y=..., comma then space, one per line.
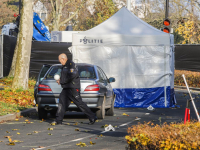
x=67, y=3
x=52, y=6
x=75, y=13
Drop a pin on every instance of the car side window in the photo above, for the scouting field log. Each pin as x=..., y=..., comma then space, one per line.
x=100, y=75
x=104, y=75
x=54, y=70
x=43, y=72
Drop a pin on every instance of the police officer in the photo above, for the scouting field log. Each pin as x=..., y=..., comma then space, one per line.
x=70, y=83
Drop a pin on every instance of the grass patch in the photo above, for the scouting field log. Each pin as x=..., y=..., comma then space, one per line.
x=12, y=101
x=7, y=108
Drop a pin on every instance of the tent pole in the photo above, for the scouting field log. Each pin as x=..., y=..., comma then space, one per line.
x=165, y=77
x=128, y=4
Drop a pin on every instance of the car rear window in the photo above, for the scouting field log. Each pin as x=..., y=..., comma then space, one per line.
x=86, y=72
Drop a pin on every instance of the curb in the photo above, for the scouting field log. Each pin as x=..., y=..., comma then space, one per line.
x=14, y=115
x=185, y=88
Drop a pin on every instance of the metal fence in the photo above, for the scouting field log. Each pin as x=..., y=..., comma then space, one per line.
x=1, y=56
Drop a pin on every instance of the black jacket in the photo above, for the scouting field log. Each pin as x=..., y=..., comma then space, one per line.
x=69, y=75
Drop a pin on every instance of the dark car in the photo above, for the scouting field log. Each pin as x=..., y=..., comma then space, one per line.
x=96, y=90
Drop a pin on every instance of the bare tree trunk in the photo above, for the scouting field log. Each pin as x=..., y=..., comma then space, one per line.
x=23, y=48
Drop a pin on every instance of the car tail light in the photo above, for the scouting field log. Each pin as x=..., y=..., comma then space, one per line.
x=92, y=88
x=43, y=87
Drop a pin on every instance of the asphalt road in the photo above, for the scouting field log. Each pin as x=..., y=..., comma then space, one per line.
x=36, y=134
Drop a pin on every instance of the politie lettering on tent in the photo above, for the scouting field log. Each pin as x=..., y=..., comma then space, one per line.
x=139, y=56
x=41, y=28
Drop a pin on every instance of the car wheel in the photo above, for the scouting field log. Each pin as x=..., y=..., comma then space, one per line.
x=42, y=114
x=110, y=111
x=53, y=113
x=101, y=112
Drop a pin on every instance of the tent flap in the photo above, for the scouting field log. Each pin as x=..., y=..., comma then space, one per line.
x=142, y=97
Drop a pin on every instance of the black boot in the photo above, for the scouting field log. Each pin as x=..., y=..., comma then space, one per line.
x=92, y=121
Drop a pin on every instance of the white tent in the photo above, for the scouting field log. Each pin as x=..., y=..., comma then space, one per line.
x=136, y=54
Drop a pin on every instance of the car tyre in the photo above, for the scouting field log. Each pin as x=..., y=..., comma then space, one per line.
x=110, y=111
x=101, y=112
x=42, y=114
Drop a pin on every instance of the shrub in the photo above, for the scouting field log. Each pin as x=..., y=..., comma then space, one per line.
x=193, y=78
x=165, y=137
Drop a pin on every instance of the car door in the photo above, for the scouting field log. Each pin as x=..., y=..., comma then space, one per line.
x=50, y=81
x=108, y=87
x=104, y=85
x=40, y=77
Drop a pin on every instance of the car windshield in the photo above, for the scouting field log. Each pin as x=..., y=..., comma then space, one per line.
x=86, y=72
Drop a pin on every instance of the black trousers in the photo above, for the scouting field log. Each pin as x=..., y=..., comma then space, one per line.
x=66, y=96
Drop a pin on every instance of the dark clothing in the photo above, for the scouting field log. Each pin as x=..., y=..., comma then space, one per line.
x=66, y=96
x=69, y=75
x=70, y=83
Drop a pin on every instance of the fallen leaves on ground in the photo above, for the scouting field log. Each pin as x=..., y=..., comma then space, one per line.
x=67, y=123
x=7, y=132
x=17, y=141
x=91, y=143
x=35, y=131
x=77, y=129
x=50, y=134
x=81, y=144
x=28, y=122
x=76, y=123
x=29, y=133
x=15, y=129
x=50, y=129
x=98, y=120
x=18, y=133
x=101, y=135
x=53, y=124
x=16, y=119
x=104, y=126
x=7, y=136
x=9, y=139
x=41, y=147
x=124, y=114
x=11, y=143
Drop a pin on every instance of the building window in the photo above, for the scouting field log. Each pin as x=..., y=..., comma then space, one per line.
x=43, y=16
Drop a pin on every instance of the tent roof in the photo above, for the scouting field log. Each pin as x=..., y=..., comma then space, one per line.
x=126, y=26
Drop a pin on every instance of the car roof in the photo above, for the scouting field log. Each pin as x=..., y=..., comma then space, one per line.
x=78, y=64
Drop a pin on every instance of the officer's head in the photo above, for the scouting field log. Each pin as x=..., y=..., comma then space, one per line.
x=62, y=58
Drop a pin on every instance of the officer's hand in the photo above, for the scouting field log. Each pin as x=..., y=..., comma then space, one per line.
x=58, y=81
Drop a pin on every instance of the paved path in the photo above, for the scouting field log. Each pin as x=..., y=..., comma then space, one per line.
x=64, y=137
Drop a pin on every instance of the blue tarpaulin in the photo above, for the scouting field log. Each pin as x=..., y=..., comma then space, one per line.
x=143, y=97
x=37, y=36
x=40, y=31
